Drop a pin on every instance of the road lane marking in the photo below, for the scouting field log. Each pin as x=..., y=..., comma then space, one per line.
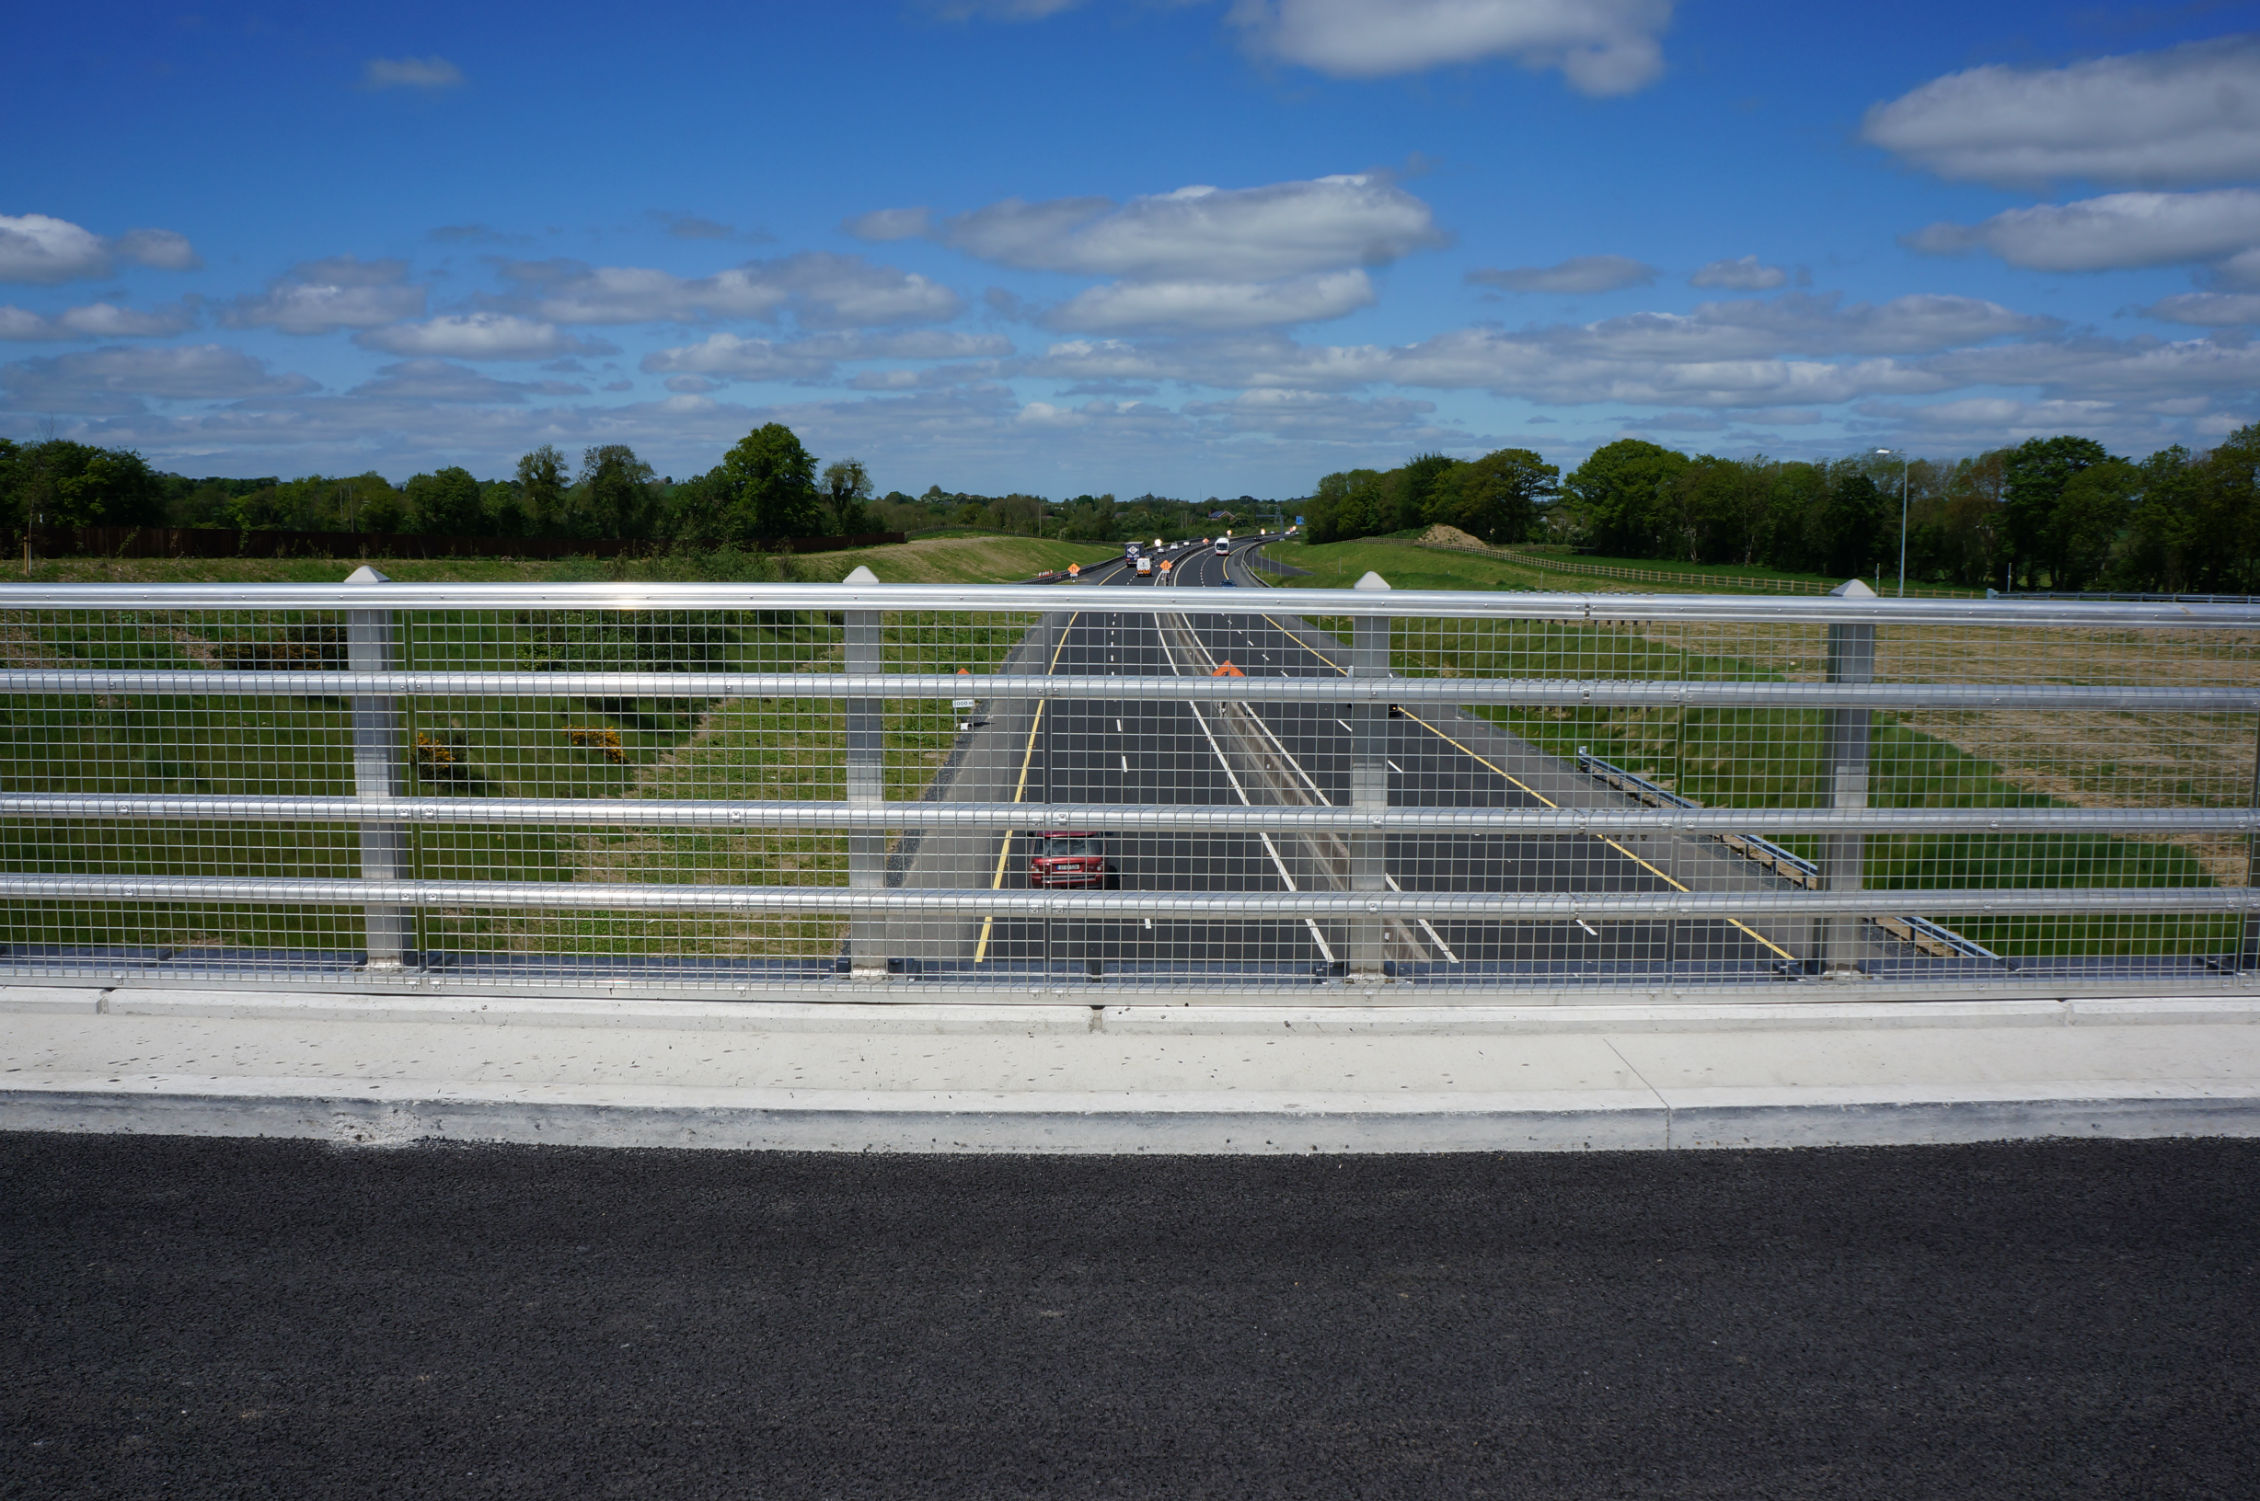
x=1268, y=847
x=1605, y=839
x=1027, y=756
x=1518, y=782
x=1434, y=936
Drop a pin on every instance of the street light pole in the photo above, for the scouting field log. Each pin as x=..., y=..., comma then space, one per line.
x=1903, y=461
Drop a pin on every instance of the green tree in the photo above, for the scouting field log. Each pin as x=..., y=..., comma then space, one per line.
x=1416, y=490
x=764, y=489
x=541, y=490
x=614, y=498
x=1855, y=524
x=61, y=483
x=1622, y=494
x=444, y=503
x=847, y=491
x=2091, y=514
x=2228, y=515
x=1497, y=497
x=2033, y=480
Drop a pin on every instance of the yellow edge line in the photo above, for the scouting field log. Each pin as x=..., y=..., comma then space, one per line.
x=1518, y=782
x=1027, y=758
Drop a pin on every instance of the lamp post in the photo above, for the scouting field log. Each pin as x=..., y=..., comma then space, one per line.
x=1902, y=518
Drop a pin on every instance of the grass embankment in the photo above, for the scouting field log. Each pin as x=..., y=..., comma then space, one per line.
x=974, y=559
x=1404, y=563
x=1422, y=561
x=460, y=747
x=1775, y=758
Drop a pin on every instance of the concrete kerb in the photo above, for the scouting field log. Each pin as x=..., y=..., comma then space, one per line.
x=1123, y=1078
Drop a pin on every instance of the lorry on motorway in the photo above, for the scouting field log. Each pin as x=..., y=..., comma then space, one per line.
x=1145, y=565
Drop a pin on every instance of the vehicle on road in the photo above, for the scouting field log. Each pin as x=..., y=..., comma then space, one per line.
x=1066, y=858
x=1223, y=547
x=1145, y=565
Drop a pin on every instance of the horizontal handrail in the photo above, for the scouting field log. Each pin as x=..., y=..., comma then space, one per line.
x=1179, y=817
x=1037, y=599
x=1535, y=692
x=1219, y=906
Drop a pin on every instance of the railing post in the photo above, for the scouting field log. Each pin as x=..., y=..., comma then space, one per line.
x=867, y=784
x=1369, y=784
x=2248, y=956
x=389, y=934
x=1851, y=659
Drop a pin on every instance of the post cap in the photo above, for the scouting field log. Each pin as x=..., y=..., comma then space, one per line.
x=1371, y=580
x=366, y=575
x=1852, y=589
x=861, y=575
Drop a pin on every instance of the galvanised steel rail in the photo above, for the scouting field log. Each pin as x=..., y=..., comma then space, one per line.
x=1276, y=817
x=843, y=787
x=1542, y=693
x=1220, y=906
x=1037, y=599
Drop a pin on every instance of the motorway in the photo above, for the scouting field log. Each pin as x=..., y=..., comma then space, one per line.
x=1155, y=753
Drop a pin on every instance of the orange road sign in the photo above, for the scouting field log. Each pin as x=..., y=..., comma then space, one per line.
x=1228, y=671
x=1074, y=570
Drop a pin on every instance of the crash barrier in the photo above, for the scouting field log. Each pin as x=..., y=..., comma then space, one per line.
x=858, y=790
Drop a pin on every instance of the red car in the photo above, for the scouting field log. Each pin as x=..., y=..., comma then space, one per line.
x=1069, y=859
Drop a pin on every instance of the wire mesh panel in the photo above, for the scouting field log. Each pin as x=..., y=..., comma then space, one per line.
x=1148, y=782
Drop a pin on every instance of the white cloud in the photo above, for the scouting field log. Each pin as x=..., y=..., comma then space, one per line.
x=890, y=224
x=1603, y=47
x=2097, y=369
x=2114, y=232
x=906, y=344
x=96, y=320
x=1744, y=274
x=2189, y=114
x=1783, y=352
x=427, y=73
x=163, y=249
x=444, y=381
x=731, y=357
x=823, y=291
x=114, y=379
x=42, y=248
x=319, y=297
x=478, y=336
x=2209, y=309
x=1203, y=233
x=36, y=247
x=1213, y=305
x=693, y=226
x=1582, y=274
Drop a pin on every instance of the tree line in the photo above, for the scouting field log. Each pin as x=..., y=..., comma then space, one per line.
x=768, y=486
x=2060, y=513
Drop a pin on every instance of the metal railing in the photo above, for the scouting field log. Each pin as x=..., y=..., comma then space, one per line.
x=1177, y=790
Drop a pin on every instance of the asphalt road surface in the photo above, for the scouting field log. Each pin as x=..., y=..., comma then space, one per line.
x=1138, y=752
x=270, y=1319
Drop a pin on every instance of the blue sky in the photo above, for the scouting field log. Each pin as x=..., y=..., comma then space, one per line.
x=1127, y=245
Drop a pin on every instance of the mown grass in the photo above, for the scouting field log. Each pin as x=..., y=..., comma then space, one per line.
x=986, y=558
x=455, y=747
x=1775, y=758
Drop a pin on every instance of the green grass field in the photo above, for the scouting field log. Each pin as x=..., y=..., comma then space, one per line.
x=456, y=747
x=985, y=558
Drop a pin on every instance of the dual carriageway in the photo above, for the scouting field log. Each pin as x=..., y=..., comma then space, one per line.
x=1150, y=755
